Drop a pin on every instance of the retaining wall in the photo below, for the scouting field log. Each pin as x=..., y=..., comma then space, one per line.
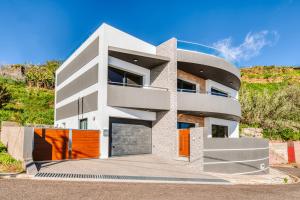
x=18, y=140
x=236, y=155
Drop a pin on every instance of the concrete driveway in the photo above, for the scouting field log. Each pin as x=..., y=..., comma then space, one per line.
x=136, y=166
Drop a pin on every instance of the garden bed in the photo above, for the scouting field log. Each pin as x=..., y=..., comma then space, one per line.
x=7, y=163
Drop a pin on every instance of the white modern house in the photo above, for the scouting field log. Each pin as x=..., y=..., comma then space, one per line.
x=140, y=96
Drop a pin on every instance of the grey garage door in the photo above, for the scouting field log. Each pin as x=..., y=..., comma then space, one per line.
x=130, y=137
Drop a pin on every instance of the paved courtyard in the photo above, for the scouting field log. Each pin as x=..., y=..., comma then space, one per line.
x=141, y=165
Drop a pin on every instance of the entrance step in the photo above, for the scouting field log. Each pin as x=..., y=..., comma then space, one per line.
x=184, y=159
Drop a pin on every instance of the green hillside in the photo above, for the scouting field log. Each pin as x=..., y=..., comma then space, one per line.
x=270, y=99
x=28, y=105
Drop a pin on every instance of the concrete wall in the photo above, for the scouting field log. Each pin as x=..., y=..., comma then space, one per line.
x=208, y=103
x=18, y=140
x=278, y=153
x=236, y=155
x=152, y=99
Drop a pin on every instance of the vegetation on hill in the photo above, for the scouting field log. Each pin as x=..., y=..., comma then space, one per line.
x=28, y=105
x=270, y=99
x=26, y=93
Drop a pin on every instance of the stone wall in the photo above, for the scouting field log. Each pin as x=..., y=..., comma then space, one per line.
x=196, y=147
x=278, y=153
x=252, y=132
x=17, y=73
x=164, y=129
x=191, y=119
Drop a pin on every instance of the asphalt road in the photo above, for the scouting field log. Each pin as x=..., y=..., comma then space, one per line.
x=36, y=189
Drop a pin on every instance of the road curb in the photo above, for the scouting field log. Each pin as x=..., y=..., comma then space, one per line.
x=11, y=175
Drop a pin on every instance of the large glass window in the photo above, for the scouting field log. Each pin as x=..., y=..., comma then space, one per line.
x=183, y=86
x=83, y=124
x=185, y=125
x=217, y=92
x=120, y=77
x=219, y=131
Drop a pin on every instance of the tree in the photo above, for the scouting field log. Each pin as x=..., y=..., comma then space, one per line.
x=5, y=96
x=278, y=113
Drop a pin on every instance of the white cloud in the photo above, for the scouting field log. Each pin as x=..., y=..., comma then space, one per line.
x=251, y=46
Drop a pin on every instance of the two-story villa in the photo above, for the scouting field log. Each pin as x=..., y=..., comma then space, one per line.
x=138, y=95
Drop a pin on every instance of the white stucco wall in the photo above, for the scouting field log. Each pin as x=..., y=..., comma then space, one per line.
x=233, y=126
x=110, y=36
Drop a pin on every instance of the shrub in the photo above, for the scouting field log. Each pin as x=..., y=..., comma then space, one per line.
x=276, y=111
x=5, y=96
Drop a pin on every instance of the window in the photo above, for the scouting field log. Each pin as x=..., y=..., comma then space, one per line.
x=219, y=131
x=184, y=125
x=83, y=123
x=218, y=92
x=183, y=86
x=120, y=77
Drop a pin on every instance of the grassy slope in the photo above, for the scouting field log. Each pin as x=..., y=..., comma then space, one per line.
x=272, y=79
x=8, y=163
x=28, y=105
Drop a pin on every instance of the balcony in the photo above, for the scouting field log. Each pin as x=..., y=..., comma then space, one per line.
x=207, y=62
x=209, y=105
x=138, y=97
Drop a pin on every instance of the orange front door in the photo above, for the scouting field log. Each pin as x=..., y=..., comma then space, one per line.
x=184, y=142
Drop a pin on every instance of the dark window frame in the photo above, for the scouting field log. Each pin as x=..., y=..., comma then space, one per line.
x=127, y=77
x=216, y=131
x=80, y=123
x=217, y=92
x=182, y=86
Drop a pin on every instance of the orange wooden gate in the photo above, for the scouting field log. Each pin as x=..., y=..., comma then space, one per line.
x=59, y=144
x=85, y=144
x=184, y=142
x=50, y=144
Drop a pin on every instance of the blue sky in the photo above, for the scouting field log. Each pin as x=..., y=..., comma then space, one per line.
x=251, y=32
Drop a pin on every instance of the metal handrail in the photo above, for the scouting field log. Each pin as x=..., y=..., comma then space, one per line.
x=206, y=92
x=136, y=85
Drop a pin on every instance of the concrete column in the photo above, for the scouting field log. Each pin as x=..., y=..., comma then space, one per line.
x=164, y=130
x=196, y=147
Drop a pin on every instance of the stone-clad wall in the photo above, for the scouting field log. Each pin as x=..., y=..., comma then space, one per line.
x=164, y=129
x=191, y=119
x=196, y=147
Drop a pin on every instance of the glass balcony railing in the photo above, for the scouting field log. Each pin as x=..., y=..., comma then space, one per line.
x=192, y=46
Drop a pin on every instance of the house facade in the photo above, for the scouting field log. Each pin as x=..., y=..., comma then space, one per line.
x=139, y=95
